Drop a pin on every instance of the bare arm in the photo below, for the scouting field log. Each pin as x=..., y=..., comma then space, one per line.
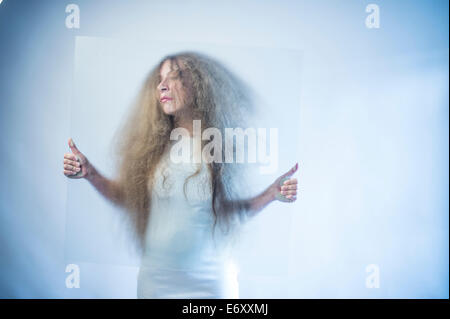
x=283, y=189
x=258, y=203
x=77, y=165
x=110, y=189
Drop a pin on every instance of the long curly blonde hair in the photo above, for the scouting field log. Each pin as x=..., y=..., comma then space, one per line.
x=221, y=100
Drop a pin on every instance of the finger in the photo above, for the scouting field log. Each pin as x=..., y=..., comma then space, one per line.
x=291, y=181
x=67, y=173
x=289, y=186
x=285, y=193
x=73, y=147
x=68, y=167
x=291, y=171
x=72, y=168
x=73, y=163
x=70, y=156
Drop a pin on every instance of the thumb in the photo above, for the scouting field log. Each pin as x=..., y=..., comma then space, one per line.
x=291, y=171
x=73, y=147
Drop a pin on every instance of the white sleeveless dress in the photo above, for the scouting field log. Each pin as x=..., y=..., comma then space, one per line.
x=181, y=258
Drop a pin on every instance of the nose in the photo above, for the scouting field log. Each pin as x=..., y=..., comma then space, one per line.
x=162, y=87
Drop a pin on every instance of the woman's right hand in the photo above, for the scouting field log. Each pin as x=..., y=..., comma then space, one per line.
x=76, y=165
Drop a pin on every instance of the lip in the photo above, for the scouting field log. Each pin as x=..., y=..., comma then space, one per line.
x=165, y=98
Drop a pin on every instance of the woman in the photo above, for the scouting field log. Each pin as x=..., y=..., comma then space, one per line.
x=174, y=208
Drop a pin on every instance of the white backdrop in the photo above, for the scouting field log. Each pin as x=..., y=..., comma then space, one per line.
x=370, y=132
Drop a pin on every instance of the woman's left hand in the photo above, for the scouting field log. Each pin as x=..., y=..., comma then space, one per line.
x=285, y=187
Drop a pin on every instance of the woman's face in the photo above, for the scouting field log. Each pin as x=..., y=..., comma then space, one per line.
x=173, y=95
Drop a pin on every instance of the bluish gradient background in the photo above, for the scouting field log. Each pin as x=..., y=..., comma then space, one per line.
x=372, y=142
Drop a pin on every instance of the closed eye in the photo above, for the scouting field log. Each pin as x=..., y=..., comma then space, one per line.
x=175, y=74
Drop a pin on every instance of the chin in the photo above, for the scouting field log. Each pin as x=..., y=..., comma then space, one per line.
x=168, y=113
x=169, y=110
